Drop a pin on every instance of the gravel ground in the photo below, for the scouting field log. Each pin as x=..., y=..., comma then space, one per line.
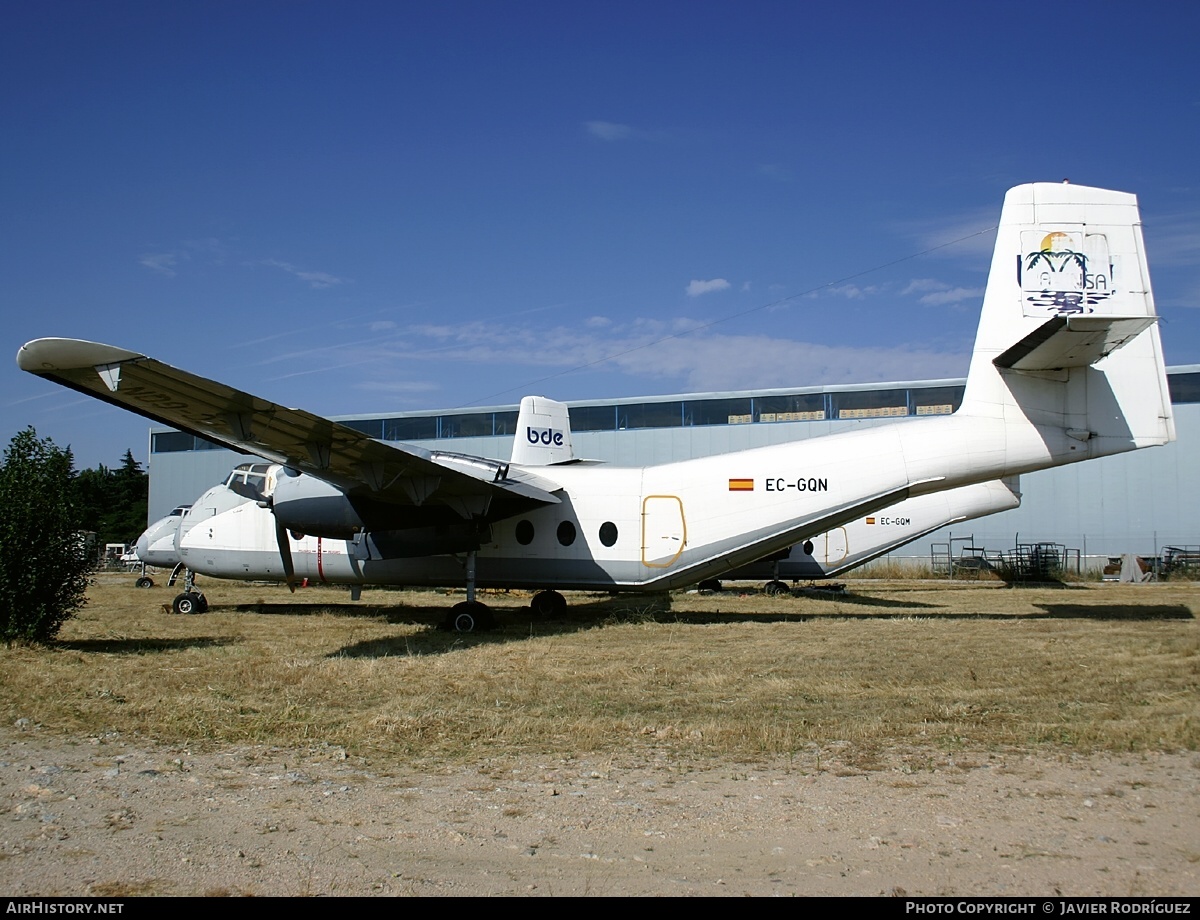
x=113, y=817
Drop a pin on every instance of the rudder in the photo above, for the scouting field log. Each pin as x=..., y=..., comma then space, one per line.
x=1068, y=337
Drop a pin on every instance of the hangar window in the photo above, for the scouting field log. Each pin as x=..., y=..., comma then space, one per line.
x=802, y=407
x=168, y=442
x=936, y=400
x=504, y=423
x=593, y=418
x=718, y=411
x=371, y=427
x=418, y=428
x=608, y=533
x=566, y=533
x=870, y=404
x=650, y=415
x=468, y=425
x=1184, y=388
x=524, y=532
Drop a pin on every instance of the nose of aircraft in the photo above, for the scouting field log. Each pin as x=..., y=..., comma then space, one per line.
x=156, y=545
x=143, y=545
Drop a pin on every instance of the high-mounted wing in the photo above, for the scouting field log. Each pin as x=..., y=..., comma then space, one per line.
x=348, y=459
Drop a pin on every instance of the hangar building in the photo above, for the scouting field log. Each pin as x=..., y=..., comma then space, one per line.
x=1131, y=503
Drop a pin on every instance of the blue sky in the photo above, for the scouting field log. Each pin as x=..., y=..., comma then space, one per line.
x=376, y=207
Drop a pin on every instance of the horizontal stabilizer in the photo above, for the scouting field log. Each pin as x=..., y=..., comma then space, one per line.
x=1073, y=341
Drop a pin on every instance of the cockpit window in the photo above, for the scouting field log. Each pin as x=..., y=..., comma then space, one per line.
x=249, y=480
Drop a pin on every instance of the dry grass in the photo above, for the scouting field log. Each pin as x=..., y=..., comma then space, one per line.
x=950, y=666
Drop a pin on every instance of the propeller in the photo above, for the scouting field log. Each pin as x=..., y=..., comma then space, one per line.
x=285, y=555
x=281, y=532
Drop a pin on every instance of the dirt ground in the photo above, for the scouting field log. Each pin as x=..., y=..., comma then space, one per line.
x=112, y=817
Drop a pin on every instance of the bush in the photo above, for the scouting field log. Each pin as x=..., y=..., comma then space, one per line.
x=43, y=556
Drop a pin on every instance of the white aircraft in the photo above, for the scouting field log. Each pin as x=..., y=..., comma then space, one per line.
x=1067, y=366
x=156, y=546
x=167, y=543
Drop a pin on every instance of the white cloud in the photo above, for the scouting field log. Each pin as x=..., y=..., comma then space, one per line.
x=161, y=262
x=316, y=280
x=649, y=349
x=936, y=293
x=952, y=295
x=208, y=250
x=923, y=285
x=964, y=236
x=737, y=362
x=854, y=291
x=607, y=130
x=696, y=288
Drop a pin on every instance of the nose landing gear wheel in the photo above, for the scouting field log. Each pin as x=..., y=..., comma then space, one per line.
x=190, y=602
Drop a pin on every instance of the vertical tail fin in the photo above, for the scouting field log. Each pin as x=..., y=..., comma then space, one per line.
x=1068, y=339
x=543, y=433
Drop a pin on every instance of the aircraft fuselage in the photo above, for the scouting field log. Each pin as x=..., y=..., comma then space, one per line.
x=651, y=528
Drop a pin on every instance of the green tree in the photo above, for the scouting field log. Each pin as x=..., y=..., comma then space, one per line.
x=113, y=503
x=43, y=558
x=131, y=500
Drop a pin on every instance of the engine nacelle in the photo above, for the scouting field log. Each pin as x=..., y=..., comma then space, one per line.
x=306, y=505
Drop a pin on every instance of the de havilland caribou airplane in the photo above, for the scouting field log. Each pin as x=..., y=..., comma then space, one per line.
x=1067, y=366
x=248, y=489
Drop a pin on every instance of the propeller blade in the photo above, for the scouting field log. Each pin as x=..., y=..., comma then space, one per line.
x=285, y=555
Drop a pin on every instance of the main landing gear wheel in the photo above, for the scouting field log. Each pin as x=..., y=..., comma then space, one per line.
x=710, y=584
x=469, y=616
x=144, y=582
x=191, y=602
x=773, y=588
x=548, y=604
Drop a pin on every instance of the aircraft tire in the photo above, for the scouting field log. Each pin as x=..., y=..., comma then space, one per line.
x=548, y=604
x=710, y=584
x=189, y=603
x=773, y=588
x=144, y=582
x=469, y=616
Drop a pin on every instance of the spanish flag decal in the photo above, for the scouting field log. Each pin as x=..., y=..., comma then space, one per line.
x=870, y=520
x=741, y=485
